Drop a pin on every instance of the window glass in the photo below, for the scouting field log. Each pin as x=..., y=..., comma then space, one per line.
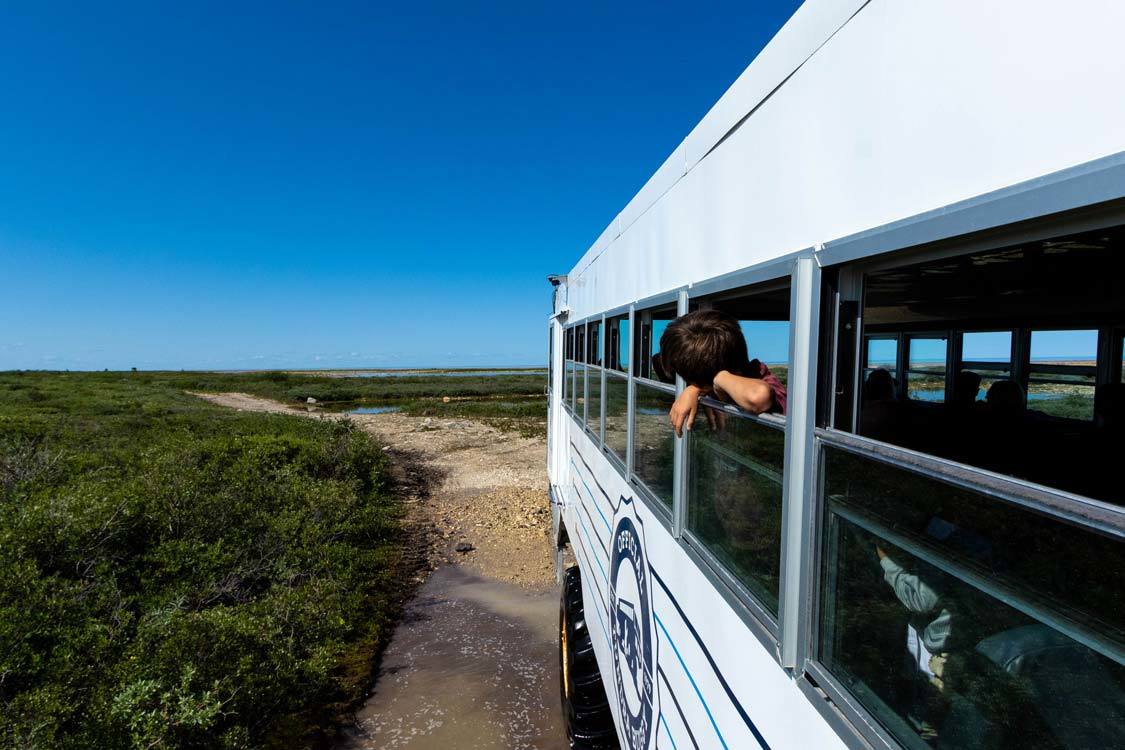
x=647, y=345
x=580, y=343
x=959, y=620
x=594, y=401
x=580, y=392
x=882, y=353
x=653, y=441
x=569, y=354
x=568, y=384
x=734, y=497
x=1121, y=348
x=1062, y=373
x=988, y=356
x=925, y=373
x=617, y=415
x=617, y=343
x=594, y=334
x=1037, y=413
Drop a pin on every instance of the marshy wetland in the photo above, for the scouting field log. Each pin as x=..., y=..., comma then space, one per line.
x=179, y=573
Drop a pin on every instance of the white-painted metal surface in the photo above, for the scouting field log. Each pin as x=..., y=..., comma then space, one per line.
x=861, y=114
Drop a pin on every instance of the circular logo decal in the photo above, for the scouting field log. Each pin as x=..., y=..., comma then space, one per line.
x=630, y=611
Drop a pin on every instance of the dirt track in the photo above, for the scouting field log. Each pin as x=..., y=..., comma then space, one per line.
x=473, y=663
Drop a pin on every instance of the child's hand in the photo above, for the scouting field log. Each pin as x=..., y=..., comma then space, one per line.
x=683, y=411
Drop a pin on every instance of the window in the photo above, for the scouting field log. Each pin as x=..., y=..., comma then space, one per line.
x=881, y=353
x=1017, y=333
x=617, y=343
x=1062, y=373
x=580, y=392
x=735, y=460
x=654, y=441
x=616, y=429
x=959, y=620
x=594, y=336
x=651, y=325
x=988, y=356
x=594, y=401
x=734, y=496
x=926, y=368
x=568, y=372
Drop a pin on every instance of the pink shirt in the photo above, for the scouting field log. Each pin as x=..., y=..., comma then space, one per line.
x=761, y=372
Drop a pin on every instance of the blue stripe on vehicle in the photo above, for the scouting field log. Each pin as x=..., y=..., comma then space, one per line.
x=664, y=724
x=675, y=702
x=582, y=525
x=593, y=476
x=591, y=494
x=691, y=679
x=594, y=526
x=714, y=667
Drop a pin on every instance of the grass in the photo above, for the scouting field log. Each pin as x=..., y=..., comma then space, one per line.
x=178, y=575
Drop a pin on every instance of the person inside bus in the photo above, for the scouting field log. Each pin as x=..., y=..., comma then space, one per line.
x=707, y=349
x=881, y=413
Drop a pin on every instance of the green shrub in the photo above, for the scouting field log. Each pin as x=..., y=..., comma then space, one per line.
x=175, y=575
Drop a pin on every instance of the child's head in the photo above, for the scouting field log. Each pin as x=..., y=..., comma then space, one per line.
x=697, y=346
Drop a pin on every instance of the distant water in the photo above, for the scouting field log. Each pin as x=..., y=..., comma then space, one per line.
x=374, y=410
x=939, y=395
x=443, y=374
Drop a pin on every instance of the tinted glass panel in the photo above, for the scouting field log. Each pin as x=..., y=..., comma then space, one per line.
x=925, y=379
x=594, y=345
x=617, y=344
x=653, y=442
x=594, y=401
x=647, y=343
x=617, y=415
x=987, y=347
x=580, y=392
x=734, y=498
x=882, y=353
x=568, y=384
x=960, y=621
x=1026, y=400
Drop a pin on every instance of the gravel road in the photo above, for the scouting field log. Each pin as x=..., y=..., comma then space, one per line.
x=473, y=663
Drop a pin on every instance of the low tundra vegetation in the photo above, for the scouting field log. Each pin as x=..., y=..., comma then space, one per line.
x=177, y=575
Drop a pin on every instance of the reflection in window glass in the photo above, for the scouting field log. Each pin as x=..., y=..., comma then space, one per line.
x=882, y=353
x=594, y=401
x=925, y=378
x=623, y=345
x=650, y=327
x=955, y=618
x=594, y=334
x=580, y=392
x=568, y=385
x=617, y=344
x=653, y=442
x=734, y=498
x=617, y=415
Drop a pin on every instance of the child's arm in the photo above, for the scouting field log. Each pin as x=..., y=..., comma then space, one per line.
x=749, y=394
x=683, y=411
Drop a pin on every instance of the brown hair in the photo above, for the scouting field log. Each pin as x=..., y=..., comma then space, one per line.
x=698, y=345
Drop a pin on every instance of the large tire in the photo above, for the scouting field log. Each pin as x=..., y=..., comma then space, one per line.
x=586, y=711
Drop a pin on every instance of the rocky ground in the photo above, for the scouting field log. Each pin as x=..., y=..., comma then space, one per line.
x=473, y=663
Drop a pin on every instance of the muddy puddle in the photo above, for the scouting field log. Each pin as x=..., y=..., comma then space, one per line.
x=473, y=665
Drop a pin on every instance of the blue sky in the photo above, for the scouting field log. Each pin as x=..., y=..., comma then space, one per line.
x=296, y=185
